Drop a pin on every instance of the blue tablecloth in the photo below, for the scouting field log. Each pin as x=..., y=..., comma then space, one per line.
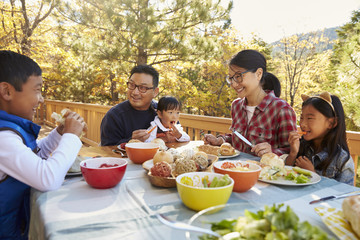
x=77, y=211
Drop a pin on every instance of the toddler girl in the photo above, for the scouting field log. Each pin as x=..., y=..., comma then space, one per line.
x=323, y=148
x=166, y=124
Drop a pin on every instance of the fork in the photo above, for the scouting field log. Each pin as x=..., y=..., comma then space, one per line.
x=184, y=226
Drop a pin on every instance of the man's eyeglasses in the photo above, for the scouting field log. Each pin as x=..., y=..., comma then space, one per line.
x=142, y=89
x=237, y=77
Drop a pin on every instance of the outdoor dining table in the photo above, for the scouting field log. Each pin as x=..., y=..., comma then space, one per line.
x=78, y=211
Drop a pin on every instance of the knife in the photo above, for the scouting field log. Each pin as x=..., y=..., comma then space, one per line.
x=242, y=138
x=344, y=195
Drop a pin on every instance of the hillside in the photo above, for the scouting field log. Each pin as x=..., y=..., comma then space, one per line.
x=329, y=33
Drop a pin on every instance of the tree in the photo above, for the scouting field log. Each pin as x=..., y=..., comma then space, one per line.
x=345, y=70
x=20, y=19
x=295, y=57
x=151, y=32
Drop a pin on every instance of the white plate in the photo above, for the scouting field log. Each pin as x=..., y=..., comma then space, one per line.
x=315, y=178
x=237, y=153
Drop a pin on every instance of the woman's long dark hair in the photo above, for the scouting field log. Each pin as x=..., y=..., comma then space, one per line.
x=335, y=139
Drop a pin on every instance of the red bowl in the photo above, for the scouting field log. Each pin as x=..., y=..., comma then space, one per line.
x=107, y=176
x=139, y=152
x=244, y=180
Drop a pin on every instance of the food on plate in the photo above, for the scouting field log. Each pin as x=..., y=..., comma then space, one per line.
x=161, y=169
x=351, y=211
x=209, y=149
x=162, y=156
x=289, y=174
x=122, y=145
x=201, y=159
x=184, y=166
x=134, y=140
x=226, y=149
x=271, y=159
x=206, y=183
x=274, y=169
x=237, y=166
x=161, y=143
x=270, y=223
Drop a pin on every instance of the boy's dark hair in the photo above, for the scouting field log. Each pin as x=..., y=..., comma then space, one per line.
x=16, y=68
x=335, y=139
x=148, y=70
x=168, y=103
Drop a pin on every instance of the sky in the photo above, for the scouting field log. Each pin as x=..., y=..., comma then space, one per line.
x=273, y=19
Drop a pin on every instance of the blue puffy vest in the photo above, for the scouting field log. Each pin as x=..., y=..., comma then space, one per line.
x=15, y=195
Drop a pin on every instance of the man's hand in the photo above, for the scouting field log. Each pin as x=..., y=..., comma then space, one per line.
x=140, y=134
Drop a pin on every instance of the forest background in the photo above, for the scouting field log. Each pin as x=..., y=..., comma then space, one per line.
x=87, y=48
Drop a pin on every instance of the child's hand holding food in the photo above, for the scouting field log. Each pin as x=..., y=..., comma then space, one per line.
x=69, y=122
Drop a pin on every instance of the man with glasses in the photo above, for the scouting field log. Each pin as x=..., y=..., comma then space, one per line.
x=131, y=118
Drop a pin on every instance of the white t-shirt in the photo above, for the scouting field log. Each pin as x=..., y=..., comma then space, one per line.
x=250, y=112
x=20, y=162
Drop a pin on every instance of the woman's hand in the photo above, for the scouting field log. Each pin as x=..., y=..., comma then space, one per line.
x=212, y=140
x=261, y=148
x=305, y=163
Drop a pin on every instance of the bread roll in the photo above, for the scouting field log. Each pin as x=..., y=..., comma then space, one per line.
x=209, y=149
x=161, y=143
x=351, y=211
x=226, y=149
x=162, y=156
x=184, y=166
x=201, y=158
x=271, y=159
x=134, y=140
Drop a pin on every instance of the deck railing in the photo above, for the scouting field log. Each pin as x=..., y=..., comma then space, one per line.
x=194, y=125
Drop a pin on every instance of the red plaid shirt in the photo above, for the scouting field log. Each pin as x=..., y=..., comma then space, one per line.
x=272, y=121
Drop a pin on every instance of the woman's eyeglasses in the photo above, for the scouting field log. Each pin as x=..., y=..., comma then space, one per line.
x=237, y=77
x=142, y=89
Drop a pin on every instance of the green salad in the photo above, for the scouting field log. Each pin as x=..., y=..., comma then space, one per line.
x=268, y=224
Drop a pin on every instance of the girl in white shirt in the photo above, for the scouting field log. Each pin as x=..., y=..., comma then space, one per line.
x=166, y=124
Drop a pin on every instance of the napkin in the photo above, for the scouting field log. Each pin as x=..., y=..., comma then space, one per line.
x=335, y=221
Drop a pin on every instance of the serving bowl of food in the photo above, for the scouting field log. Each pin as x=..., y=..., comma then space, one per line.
x=167, y=165
x=200, y=190
x=245, y=174
x=139, y=152
x=103, y=172
x=243, y=220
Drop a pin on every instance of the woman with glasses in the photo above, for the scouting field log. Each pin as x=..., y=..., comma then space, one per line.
x=131, y=118
x=257, y=114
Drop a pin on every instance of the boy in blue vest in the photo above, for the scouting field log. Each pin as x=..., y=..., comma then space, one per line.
x=22, y=156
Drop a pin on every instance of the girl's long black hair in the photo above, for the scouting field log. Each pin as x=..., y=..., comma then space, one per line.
x=335, y=139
